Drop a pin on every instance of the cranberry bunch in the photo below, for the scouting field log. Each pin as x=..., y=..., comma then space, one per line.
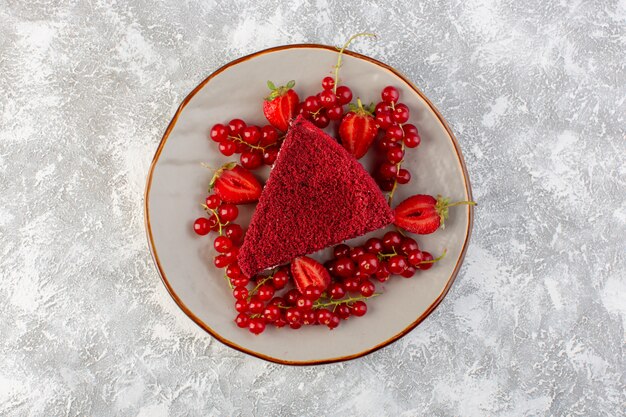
x=326, y=105
x=257, y=145
x=392, y=118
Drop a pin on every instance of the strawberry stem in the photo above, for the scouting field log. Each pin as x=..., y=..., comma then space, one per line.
x=345, y=45
x=459, y=203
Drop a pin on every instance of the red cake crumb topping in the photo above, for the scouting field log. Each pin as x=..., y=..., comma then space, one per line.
x=317, y=195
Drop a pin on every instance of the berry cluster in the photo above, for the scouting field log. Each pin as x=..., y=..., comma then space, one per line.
x=326, y=105
x=256, y=145
x=392, y=118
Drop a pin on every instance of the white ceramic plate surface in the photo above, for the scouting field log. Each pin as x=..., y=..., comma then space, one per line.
x=177, y=185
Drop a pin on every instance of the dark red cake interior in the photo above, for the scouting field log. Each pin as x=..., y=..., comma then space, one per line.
x=317, y=195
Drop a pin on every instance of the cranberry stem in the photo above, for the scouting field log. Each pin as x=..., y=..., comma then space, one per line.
x=345, y=45
x=263, y=148
x=343, y=301
x=219, y=221
x=258, y=285
x=398, y=165
x=437, y=259
x=230, y=284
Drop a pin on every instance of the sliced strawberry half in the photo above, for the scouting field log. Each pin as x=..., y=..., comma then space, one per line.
x=358, y=129
x=235, y=184
x=423, y=214
x=308, y=272
x=280, y=105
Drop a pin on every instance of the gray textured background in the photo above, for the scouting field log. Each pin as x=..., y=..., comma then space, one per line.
x=534, y=325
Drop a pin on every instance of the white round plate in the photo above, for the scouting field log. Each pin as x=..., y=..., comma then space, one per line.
x=177, y=185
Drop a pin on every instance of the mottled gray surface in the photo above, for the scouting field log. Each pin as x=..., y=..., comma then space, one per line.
x=534, y=324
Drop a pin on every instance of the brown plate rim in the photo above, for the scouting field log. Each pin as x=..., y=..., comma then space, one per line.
x=227, y=342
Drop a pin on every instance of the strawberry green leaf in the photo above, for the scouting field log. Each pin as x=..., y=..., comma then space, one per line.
x=291, y=84
x=271, y=85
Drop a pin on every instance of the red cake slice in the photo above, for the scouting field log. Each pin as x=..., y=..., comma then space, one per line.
x=317, y=195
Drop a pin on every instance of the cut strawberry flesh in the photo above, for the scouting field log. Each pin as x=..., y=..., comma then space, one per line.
x=309, y=273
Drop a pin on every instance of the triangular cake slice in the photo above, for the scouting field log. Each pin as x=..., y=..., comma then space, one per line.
x=317, y=195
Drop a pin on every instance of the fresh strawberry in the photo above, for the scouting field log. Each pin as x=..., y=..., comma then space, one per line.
x=280, y=106
x=235, y=184
x=423, y=214
x=358, y=129
x=308, y=272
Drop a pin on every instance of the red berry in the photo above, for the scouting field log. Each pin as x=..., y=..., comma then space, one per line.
x=425, y=264
x=382, y=274
x=344, y=267
x=328, y=99
x=234, y=232
x=240, y=293
x=251, y=159
x=241, y=306
x=312, y=293
x=395, y=155
x=341, y=250
x=409, y=271
x=202, y=226
x=269, y=155
x=414, y=257
x=388, y=171
x=323, y=316
x=242, y=320
x=404, y=176
x=359, y=308
x=356, y=252
x=233, y=271
x=408, y=245
x=394, y=133
x=303, y=303
x=271, y=313
x=308, y=317
x=343, y=311
x=390, y=94
x=336, y=291
x=293, y=315
x=256, y=325
x=213, y=201
x=368, y=263
x=251, y=135
x=265, y=292
x=384, y=119
x=219, y=133
x=386, y=185
x=321, y=120
x=352, y=284
x=334, y=321
x=374, y=245
x=221, y=261
x=256, y=305
x=335, y=112
x=382, y=107
x=231, y=255
x=227, y=148
x=344, y=94
x=227, y=212
x=222, y=244
x=409, y=129
x=269, y=135
x=412, y=140
x=328, y=83
x=236, y=127
x=367, y=288
x=330, y=267
x=401, y=113
x=385, y=144
x=280, y=322
x=312, y=104
x=295, y=326
x=278, y=302
x=292, y=296
x=397, y=264
x=391, y=240
x=280, y=279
